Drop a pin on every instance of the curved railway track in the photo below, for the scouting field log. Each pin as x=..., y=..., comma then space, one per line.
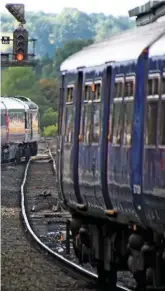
x=29, y=196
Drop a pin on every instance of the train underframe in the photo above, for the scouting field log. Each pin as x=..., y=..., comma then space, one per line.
x=14, y=152
x=111, y=246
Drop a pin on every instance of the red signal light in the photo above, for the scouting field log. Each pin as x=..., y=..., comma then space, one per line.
x=19, y=57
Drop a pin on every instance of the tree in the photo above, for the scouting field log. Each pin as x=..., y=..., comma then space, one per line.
x=50, y=117
x=50, y=130
x=19, y=81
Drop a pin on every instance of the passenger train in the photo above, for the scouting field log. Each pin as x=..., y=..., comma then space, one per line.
x=111, y=157
x=19, y=128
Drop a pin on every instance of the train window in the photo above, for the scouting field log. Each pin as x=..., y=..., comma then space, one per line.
x=128, y=118
x=163, y=86
x=26, y=120
x=96, y=122
x=97, y=93
x=117, y=122
x=88, y=95
x=153, y=87
x=118, y=89
x=87, y=122
x=3, y=119
x=69, y=97
x=129, y=88
x=69, y=124
x=151, y=122
x=162, y=123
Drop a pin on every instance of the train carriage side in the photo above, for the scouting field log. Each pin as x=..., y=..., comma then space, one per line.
x=121, y=53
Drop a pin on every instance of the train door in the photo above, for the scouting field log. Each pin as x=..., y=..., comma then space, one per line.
x=67, y=144
x=154, y=150
x=89, y=145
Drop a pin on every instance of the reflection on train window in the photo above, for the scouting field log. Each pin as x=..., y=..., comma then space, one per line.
x=87, y=122
x=163, y=86
x=88, y=92
x=96, y=122
x=129, y=88
x=151, y=123
x=162, y=123
x=3, y=119
x=97, y=93
x=128, y=118
x=153, y=87
x=69, y=97
x=117, y=123
x=118, y=89
x=69, y=124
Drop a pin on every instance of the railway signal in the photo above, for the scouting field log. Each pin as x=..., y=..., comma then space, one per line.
x=20, y=44
x=20, y=55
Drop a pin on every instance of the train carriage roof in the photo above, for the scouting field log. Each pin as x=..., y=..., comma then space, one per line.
x=123, y=47
x=19, y=102
x=12, y=103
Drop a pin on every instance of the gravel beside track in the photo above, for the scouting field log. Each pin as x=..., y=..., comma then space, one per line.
x=22, y=266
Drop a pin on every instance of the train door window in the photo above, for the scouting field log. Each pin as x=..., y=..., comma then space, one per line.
x=117, y=121
x=96, y=122
x=88, y=92
x=129, y=92
x=119, y=85
x=97, y=92
x=128, y=119
x=87, y=122
x=151, y=122
x=96, y=112
x=162, y=123
x=153, y=85
x=129, y=87
x=69, y=94
x=69, y=115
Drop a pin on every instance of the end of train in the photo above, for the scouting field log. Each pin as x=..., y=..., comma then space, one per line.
x=19, y=128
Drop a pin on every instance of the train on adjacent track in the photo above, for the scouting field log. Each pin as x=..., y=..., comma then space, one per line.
x=111, y=153
x=19, y=128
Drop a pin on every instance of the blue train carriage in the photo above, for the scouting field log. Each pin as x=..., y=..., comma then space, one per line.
x=21, y=128
x=112, y=152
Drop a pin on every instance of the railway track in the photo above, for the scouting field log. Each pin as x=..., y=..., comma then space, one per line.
x=39, y=206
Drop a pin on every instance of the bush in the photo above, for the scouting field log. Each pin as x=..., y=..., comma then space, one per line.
x=50, y=130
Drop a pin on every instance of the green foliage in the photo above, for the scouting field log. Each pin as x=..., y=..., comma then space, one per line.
x=19, y=81
x=49, y=117
x=50, y=130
